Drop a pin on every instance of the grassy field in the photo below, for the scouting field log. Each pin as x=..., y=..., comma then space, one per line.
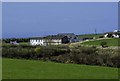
x=29, y=69
x=90, y=35
x=24, y=43
x=110, y=42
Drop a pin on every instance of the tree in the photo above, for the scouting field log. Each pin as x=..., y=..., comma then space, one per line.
x=104, y=44
x=37, y=50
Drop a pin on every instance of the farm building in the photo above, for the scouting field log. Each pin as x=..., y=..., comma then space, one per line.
x=54, y=39
x=14, y=42
x=114, y=34
x=71, y=37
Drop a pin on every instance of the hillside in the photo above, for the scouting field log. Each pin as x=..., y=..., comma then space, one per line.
x=90, y=35
x=110, y=42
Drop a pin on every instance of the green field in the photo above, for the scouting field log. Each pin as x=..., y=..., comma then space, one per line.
x=90, y=35
x=30, y=69
x=110, y=42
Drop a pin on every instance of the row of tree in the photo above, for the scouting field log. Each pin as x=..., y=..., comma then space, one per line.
x=8, y=40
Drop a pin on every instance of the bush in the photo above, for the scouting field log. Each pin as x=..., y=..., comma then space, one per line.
x=116, y=61
x=101, y=36
x=64, y=54
x=104, y=44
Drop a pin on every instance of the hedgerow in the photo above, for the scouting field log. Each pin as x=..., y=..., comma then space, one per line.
x=64, y=54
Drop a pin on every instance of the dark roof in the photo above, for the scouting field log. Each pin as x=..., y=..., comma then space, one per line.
x=54, y=37
x=65, y=34
x=49, y=37
x=58, y=36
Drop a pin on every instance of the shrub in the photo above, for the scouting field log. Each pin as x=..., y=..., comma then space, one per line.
x=116, y=61
x=104, y=44
x=64, y=54
x=88, y=50
x=37, y=50
x=101, y=36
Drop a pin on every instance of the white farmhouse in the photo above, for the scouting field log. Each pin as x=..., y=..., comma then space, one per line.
x=54, y=39
x=114, y=34
x=37, y=42
x=49, y=41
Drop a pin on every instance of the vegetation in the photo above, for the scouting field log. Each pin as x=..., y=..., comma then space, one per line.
x=91, y=36
x=30, y=69
x=16, y=39
x=110, y=42
x=103, y=44
x=65, y=54
x=73, y=55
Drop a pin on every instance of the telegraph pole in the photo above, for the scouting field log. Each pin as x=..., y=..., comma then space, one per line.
x=95, y=31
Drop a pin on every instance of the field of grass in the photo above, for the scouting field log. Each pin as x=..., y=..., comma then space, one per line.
x=24, y=43
x=30, y=69
x=110, y=42
x=90, y=35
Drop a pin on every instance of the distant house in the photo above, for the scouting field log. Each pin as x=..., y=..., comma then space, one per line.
x=14, y=42
x=71, y=36
x=114, y=34
x=53, y=39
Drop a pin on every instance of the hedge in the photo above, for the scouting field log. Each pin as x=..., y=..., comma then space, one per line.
x=65, y=54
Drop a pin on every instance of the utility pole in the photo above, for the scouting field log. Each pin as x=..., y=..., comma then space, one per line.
x=95, y=31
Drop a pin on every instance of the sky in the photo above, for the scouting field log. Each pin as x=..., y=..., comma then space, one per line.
x=29, y=19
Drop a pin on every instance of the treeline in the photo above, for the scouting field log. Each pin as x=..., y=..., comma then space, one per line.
x=8, y=40
x=65, y=54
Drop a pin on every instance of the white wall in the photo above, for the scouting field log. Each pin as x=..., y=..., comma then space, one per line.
x=105, y=35
x=44, y=42
x=37, y=41
x=115, y=36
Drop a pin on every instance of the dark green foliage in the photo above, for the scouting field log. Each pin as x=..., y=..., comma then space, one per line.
x=116, y=61
x=18, y=52
x=64, y=54
x=101, y=36
x=104, y=44
x=88, y=50
x=16, y=39
x=47, y=51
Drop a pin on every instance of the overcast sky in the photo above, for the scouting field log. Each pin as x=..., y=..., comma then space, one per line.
x=21, y=19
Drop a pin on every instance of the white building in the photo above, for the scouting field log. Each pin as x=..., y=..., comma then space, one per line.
x=37, y=42
x=14, y=42
x=62, y=38
x=45, y=42
x=114, y=34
